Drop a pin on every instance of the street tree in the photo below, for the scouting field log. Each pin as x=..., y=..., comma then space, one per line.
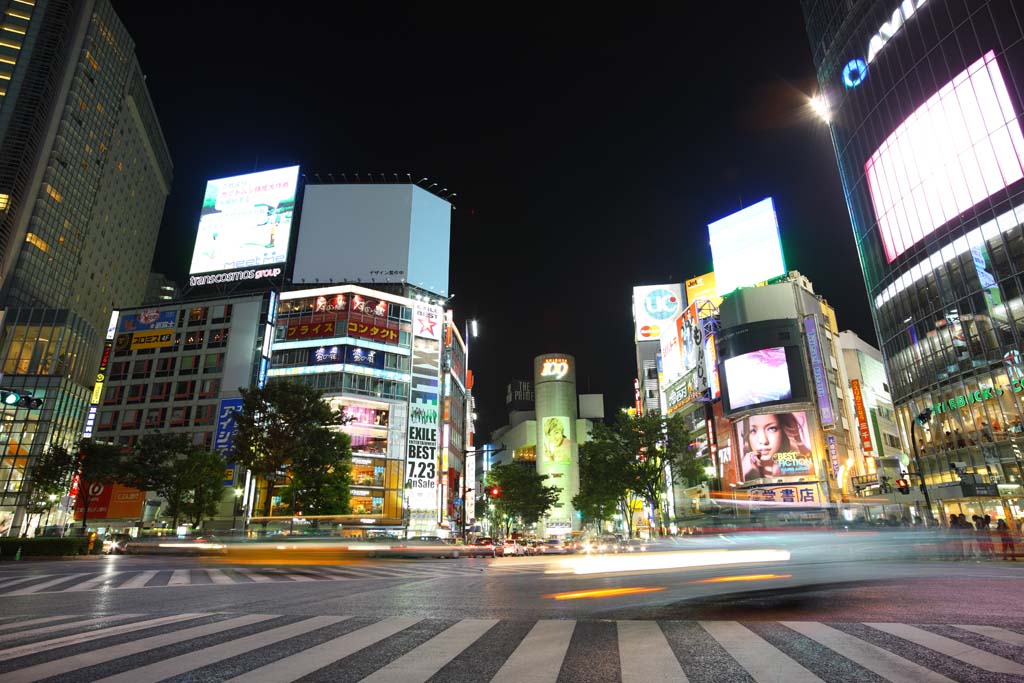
x=521, y=495
x=97, y=464
x=286, y=426
x=51, y=479
x=605, y=483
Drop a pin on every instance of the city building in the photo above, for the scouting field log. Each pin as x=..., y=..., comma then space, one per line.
x=84, y=173
x=159, y=290
x=178, y=369
x=923, y=103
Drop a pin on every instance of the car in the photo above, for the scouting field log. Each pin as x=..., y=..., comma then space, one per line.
x=115, y=544
x=556, y=546
x=512, y=548
x=604, y=544
x=535, y=546
x=634, y=545
x=483, y=546
x=172, y=545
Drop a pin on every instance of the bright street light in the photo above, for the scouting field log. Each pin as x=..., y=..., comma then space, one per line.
x=819, y=105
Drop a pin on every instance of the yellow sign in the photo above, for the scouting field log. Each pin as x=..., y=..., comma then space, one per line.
x=702, y=287
x=97, y=391
x=153, y=339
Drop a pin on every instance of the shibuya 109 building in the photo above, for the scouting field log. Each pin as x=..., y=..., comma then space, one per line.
x=924, y=102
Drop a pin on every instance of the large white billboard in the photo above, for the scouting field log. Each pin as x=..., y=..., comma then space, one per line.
x=745, y=247
x=374, y=234
x=655, y=307
x=245, y=222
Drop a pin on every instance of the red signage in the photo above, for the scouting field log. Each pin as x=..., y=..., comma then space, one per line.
x=366, y=328
x=862, y=417
x=311, y=330
x=110, y=501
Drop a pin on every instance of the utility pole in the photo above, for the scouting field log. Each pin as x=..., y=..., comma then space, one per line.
x=921, y=419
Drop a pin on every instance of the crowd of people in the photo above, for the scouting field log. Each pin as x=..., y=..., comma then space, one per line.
x=976, y=539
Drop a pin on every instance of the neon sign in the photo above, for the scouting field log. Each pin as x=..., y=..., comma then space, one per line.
x=856, y=70
x=555, y=367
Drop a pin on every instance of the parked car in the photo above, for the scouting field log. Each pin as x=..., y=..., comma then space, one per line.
x=115, y=544
x=556, y=546
x=512, y=548
x=482, y=546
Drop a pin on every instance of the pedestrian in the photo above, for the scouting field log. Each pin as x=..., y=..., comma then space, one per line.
x=989, y=547
x=1006, y=538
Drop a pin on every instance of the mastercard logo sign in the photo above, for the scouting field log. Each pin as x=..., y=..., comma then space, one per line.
x=650, y=331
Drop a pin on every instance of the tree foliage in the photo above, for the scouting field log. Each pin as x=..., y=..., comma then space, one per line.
x=287, y=426
x=522, y=495
x=97, y=463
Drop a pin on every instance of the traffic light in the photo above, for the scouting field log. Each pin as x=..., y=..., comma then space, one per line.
x=494, y=492
x=903, y=485
x=15, y=400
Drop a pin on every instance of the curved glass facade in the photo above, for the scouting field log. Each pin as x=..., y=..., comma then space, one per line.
x=926, y=99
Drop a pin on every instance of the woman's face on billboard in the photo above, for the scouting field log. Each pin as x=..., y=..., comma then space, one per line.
x=765, y=436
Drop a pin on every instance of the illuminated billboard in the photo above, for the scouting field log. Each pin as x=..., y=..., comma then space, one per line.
x=774, y=445
x=954, y=151
x=702, y=288
x=655, y=307
x=671, y=353
x=745, y=247
x=245, y=225
x=758, y=377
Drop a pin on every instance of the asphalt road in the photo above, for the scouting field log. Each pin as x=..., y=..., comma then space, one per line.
x=828, y=617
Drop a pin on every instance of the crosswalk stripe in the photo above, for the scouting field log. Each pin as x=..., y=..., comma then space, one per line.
x=427, y=659
x=952, y=648
x=645, y=655
x=889, y=666
x=317, y=657
x=996, y=633
x=31, y=622
x=190, y=661
x=254, y=575
x=92, y=583
x=108, y=654
x=762, y=660
x=14, y=582
x=218, y=576
x=139, y=580
x=45, y=584
x=539, y=655
x=295, y=576
x=180, y=577
x=88, y=623
x=77, y=638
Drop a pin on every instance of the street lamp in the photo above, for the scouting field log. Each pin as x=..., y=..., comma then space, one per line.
x=819, y=105
x=921, y=419
x=234, y=509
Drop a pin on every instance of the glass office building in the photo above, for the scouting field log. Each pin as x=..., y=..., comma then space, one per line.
x=925, y=98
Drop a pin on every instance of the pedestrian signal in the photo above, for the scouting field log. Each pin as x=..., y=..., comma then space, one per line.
x=903, y=485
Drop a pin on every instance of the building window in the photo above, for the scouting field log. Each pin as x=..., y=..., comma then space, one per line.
x=107, y=421
x=132, y=418
x=141, y=368
x=189, y=365
x=197, y=316
x=202, y=439
x=220, y=314
x=161, y=392
x=180, y=416
x=113, y=395
x=155, y=418
x=165, y=367
x=209, y=388
x=194, y=340
x=136, y=393
x=119, y=370
x=214, y=362
x=185, y=390
x=205, y=415
x=218, y=338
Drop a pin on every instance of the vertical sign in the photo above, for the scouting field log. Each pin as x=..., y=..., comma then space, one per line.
x=97, y=391
x=421, y=470
x=862, y=417
x=833, y=455
x=828, y=419
x=224, y=437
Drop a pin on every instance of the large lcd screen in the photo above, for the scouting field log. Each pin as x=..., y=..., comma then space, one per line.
x=957, y=149
x=246, y=221
x=774, y=445
x=745, y=247
x=758, y=377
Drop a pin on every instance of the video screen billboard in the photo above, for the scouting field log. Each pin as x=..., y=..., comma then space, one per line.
x=758, y=377
x=746, y=248
x=655, y=307
x=774, y=445
x=245, y=223
x=960, y=147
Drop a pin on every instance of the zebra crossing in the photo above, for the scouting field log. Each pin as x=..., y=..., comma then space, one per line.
x=157, y=578
x=221, y=646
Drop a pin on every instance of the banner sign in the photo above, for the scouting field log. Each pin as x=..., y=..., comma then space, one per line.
x=310, y=330
x=367, y=358
x=828, y=419
x=862, y=417
x=421, y=471
x=146, y=320
x=224, y=437
x=364, y=327
x=110, y=501
x=783, y=493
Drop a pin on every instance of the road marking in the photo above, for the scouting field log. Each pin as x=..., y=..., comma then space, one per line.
x=539, y=655
x=180, y=577
x=315, y=658
x=254, y=575
x=77, y=638
x=889, y=666
x=31, y=622
x=139, y=580
x=996, y=633
x=430, y=657
x=129, y=649
x=91, y=583
x=645, y=655
x=951, y=648
x=190, y=661
x=763, y=661
x=218, y=576
x=13, y=582
x=295, y=576
x=97, y=621
x=45, y=584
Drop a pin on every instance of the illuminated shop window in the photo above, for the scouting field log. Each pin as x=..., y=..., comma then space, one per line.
x=958, y=148
x=37, y=241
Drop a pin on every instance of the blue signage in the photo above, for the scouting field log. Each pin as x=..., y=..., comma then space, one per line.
x=325, y=355
x=367, y=358
x=818, y=370
x=224, y=437
x=148, y=319
x=854, y=73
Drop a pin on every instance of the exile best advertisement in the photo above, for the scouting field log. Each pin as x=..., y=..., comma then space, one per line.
x=774, y=445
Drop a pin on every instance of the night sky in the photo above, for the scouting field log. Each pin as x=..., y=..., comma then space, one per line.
x=588, y=153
